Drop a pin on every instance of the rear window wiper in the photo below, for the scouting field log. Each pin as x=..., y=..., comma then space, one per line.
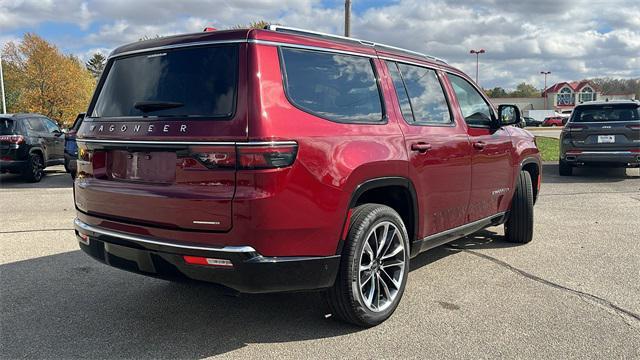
x=147, y=106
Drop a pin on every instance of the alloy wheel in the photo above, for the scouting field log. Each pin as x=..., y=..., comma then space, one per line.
x=381, y=266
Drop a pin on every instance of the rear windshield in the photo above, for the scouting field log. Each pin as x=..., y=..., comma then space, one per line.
x=7, y=126
x=198, y=81
x=604, y=113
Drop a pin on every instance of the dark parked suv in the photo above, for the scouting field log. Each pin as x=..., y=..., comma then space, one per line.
x=286, y=160
x=28, y=144
x=601, y=133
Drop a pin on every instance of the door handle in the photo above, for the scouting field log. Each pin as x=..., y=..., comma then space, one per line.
x=421, y=147
x=479, y=145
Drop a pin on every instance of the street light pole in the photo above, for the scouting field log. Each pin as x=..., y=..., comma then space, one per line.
x=545, y=73
x=347, y=18
x=4, y=104
x=477, y=52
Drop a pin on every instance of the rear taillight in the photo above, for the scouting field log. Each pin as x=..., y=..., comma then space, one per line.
x=265, y=156
x=12, y=139
x=247, y=156
x=574, y=128
x=222, y=157
x=634, y=127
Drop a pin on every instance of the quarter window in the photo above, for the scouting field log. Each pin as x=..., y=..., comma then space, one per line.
x=337, y=87
x=475, y=110
x=401, y=91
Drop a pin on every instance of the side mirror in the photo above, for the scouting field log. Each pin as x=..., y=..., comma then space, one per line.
x=57, y=133
x=508, y=115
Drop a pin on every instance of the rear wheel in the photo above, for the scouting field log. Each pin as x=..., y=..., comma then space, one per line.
x=34, y=169
x=374, y=267
x=565, y=169
x=519, y=225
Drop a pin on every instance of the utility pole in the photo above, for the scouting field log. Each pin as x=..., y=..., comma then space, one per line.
x=545, y=73
x=477, y=52
x=4, y=104
x=347, y=18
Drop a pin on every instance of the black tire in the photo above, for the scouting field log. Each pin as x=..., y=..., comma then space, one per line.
x=345, y=298
x=519, y=225
x=34, y=171
x=564, y=168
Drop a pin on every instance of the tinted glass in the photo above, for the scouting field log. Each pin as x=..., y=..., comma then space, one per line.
x=195, y=82
x=403, y=98
x=427, y=97
x=334, y=86
x=474, y=109
x=603, y=113
x=7, y=126
x=35, y=124
x=51, y=126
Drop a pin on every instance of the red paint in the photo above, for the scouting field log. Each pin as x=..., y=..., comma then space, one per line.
x=553, y=121
x=296, y=210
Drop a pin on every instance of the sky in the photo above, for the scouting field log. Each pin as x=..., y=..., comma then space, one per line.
x=574, y=39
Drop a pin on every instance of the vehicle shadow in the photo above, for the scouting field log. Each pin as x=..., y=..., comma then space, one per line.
x=587, y=174
x=70, y=306
x=55, y=177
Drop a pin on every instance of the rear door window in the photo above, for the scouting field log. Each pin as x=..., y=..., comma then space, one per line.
x=199, y=82
x=35, y=125
x=333, y=86
x=475, y=110
x=605, y=113
x=427, y=98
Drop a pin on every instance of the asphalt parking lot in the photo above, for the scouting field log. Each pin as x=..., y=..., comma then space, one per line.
x=574, y=292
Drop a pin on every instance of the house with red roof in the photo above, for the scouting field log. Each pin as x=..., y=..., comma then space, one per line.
x=565, y=95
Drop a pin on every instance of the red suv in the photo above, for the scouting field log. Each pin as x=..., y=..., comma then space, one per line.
x=280, y=160
x=553, y=121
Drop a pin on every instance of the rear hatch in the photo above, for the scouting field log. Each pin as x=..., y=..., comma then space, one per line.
x=157, y=147
x=9, y=140
x=606, y=127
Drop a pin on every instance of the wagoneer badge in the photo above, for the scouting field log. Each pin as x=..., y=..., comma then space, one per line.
x=137, y=128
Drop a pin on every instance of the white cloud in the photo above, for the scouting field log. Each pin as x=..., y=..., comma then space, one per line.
x=573, y=39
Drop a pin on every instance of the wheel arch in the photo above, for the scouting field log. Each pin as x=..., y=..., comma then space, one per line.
x=532, y=166
x=394, y=191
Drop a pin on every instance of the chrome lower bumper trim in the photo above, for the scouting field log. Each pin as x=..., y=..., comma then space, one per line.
x=229, y=249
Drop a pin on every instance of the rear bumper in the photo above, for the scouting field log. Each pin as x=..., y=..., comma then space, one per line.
x=603, y=157
x=12, y=165
x=250, y=273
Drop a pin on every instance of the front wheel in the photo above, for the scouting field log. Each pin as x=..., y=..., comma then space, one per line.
x=374, y=267
x=519, y=225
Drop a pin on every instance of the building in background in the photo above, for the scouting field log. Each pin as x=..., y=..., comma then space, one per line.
x=562, y=98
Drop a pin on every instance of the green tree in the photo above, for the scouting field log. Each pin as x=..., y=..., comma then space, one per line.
x=525, y=90
x=95, y=65
x=618, y=86
x=496, y=92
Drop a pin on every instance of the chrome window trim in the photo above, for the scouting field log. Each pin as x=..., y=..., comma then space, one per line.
x=134, y=238
x=428, y=65
x=176, y=46
x=308, y=47
x=162, y=142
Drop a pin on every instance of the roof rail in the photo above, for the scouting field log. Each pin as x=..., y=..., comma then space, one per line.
x=299, y=31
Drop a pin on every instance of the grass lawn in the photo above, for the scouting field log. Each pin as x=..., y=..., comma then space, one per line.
x=549, y=148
